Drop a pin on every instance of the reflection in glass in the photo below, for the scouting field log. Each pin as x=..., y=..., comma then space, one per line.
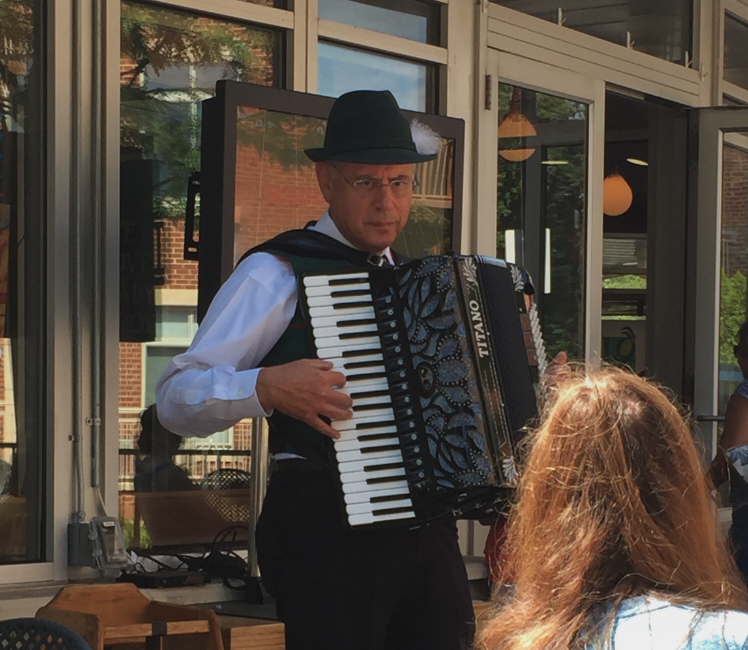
x=169, y=62
x=736, y=51
x=23, y=420
x=734, y=261
x=276, y=186
x=541, y=206
x=661, y=28
x=342, y=69
x=412, y=19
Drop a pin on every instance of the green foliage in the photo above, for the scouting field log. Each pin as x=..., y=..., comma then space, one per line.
x=732, y=313
x=128, y=530
x=427, y=232
x=629, y=281
x=160, y=120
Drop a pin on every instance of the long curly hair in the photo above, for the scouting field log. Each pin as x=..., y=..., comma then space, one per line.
x=612, y=503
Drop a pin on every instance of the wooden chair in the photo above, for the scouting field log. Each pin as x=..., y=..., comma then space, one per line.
x=117, y=614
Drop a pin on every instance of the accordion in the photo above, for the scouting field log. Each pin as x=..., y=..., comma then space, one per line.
x=442, y=358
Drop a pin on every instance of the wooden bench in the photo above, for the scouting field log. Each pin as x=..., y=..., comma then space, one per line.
x=118, y=615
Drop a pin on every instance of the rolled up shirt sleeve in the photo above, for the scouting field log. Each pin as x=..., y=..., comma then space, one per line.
x=211, y=386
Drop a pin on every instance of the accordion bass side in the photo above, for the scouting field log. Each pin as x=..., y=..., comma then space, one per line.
x=442, y=358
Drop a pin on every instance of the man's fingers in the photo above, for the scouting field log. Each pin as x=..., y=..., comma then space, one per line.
x=334, y=413
x=560, y=358
x=341, y=400
x=320, y=364
x=323, y=427
x=335, y=379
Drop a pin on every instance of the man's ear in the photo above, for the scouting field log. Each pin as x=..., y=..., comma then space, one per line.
x=324, y=179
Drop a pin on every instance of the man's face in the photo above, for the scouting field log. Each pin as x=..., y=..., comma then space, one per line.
x=368, y=203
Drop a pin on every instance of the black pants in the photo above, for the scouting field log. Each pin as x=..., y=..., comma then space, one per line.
x=341, y=589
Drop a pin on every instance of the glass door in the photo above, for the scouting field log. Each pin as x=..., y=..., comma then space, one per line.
x=539, y=202
x=719, y=230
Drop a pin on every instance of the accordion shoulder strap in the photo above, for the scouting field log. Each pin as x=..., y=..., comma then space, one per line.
x=305, y=242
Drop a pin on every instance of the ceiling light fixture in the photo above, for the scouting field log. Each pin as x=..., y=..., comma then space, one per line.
x=517, y=126
x=554, y=162
x=638, y=161
x=617, y=195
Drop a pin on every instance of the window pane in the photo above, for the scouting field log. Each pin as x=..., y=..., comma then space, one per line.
x=342, y=69
x=23, y=420
x=661, y=28
x=418, y=21
x=542, y=156
x=734, y=255
x=169, y=62
x=736, y=51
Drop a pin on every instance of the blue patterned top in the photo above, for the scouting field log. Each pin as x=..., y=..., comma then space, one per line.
x=738, y=458
x=647, y=623
x=742, y=389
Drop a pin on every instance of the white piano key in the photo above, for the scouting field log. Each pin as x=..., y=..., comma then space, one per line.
x=324, y=280
x=353, y=386
x=358, y=445
x=342, y=321
x=364, y=497
x=371, y=508
x=328, y=311
x=369, y=342
x=364, y=487
x=384, y=416
x=337, y=330
x=361, y=520
x=366, y=465
x=357, y=434
x=358, y=454
x=334, y=353
x=364, y=477
x=324, y=301
x=329, y=290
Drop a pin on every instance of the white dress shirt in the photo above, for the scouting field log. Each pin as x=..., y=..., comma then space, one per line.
x=211, y=386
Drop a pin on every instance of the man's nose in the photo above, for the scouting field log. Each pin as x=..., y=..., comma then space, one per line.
x=384, y=197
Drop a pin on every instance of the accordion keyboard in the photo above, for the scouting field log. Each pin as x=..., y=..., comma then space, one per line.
x=368, y=452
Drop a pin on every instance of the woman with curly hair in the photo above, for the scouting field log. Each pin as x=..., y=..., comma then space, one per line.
x=613, y=543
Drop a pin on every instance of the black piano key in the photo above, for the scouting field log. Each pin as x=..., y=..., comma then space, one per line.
x=351, y=305
x=391, y=511
x=375, y=436
x=369, y=407
x=371, y=393
x=374, y=425
x=336, y=282
x=355, y=323
x=349, y=293
x=356, y=335
x=347, y=354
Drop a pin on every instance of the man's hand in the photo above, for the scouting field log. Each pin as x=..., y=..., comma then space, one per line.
x=305, y=390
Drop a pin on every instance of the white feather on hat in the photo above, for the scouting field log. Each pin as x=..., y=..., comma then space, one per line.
x=426, y=140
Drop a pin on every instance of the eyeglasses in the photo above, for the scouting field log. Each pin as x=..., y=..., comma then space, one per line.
x=368, y=187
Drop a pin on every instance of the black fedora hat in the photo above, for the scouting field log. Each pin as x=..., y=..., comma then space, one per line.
x=368, y=127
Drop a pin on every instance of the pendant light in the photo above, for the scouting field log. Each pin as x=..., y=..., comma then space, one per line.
x=617, y=195
x=516, y=125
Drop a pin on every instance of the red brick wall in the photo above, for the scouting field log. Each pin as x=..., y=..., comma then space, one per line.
x=735, y=211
